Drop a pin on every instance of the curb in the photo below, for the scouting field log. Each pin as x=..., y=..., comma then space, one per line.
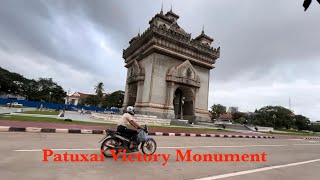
x=85, y=131
x=316, y=138
x=209, y=135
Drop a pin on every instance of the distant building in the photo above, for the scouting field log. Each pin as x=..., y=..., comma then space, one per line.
x=224, y=119
x=315, y=123
x=232, y=109
x=76, y=97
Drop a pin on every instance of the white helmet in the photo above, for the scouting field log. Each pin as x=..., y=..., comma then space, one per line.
x=130, y=110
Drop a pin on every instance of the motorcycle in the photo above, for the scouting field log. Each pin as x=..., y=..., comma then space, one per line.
x=119, y=142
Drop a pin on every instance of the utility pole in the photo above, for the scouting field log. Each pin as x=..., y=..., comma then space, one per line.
x=274, y=121
x=289, y=103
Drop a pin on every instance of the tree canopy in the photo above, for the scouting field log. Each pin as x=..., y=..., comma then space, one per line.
x=217, y=110
x=269, y=116
x=42, y=89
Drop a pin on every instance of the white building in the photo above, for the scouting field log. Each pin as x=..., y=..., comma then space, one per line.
x=232, y=109
x=75, y=98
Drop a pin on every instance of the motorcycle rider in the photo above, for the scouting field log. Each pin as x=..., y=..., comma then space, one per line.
x=123, y=126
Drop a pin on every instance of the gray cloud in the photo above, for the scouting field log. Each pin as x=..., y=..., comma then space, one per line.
x=79, y=43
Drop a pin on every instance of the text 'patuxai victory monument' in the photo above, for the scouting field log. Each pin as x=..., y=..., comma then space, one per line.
x=168, y=71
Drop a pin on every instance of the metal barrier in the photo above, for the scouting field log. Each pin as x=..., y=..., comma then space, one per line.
x=48, y=105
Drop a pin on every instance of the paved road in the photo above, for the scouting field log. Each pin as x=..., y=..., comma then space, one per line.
x=280, y=154
x=5, y=110
x=68, y=114
x=81, y=117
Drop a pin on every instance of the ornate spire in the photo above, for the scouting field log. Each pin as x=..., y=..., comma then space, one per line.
x=172, y=14
x=161, y=12
x=203, y=36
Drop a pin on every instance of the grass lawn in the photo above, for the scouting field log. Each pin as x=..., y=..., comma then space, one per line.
x=298, y=133
x=49, y=120
x=54, y=120
x=41, y=112
x=192, y=128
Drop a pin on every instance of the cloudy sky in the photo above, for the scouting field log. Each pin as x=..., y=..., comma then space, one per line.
x=269, y=48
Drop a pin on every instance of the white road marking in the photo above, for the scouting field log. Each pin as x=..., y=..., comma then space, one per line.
x=183, y=147
x=296, y=139
x=180, y=147
x=257, y=170
x=306, y=144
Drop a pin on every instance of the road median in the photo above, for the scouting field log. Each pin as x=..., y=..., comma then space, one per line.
x=93, y=131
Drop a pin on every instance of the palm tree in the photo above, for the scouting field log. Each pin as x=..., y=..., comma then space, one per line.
x=99, y=89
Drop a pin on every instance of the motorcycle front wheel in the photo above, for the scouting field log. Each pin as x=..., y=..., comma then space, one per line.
x=149, y=147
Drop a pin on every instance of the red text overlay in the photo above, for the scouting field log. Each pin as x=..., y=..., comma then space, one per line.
x=185, y=156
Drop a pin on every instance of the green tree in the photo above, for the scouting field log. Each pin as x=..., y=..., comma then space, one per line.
x=217, y=110
x=99, y=90
x=114, y=99
x=237, y=115
x=302, y=122
x=315, y=128
x=43, y=89
x=92, y=100
x=241, y=120
x=99, y=93
x=283, y=117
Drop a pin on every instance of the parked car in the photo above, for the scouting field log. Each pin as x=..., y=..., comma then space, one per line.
x=14, y=104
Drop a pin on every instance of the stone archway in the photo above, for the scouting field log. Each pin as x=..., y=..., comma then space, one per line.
x=183, y=103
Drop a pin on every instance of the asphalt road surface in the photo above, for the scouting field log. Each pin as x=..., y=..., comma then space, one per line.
x=22, y=157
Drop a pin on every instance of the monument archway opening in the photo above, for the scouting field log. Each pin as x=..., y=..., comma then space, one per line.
x=183, y=103
x=133, y=88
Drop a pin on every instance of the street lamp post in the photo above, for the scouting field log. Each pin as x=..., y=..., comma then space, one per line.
x=8, y=96
x=50, y=96
x=294, y=123
x=182, y=102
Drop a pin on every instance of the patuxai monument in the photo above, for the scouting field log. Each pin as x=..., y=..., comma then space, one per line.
x=168, y=72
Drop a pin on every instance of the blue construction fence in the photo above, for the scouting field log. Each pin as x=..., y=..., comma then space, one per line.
x=48, y=105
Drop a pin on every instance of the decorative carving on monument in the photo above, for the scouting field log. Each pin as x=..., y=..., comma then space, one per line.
x=136, y=73
x=184, y=74
x=162, y=26
x=133, y=91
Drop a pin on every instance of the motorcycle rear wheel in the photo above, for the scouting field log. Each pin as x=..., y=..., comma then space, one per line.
x=105, y=149
x=147, y=145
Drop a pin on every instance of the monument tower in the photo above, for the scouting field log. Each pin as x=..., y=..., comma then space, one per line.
x=168, y=71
